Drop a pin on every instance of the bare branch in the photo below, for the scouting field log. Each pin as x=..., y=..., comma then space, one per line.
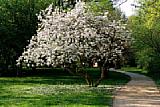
x=119, y=2
x=122, y=2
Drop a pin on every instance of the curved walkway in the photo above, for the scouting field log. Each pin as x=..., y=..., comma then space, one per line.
x=141, y=91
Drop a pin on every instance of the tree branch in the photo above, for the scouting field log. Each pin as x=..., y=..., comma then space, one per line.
x=122, y=2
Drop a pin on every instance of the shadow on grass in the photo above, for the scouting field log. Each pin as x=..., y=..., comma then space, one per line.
x=58, y=89
x=59, y=77
x=97, y=97
x=51, y=100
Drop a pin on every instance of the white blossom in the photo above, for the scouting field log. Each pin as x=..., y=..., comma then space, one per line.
x=75, y=36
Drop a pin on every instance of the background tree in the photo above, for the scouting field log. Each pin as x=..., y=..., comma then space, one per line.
x=18, y=22
x=145, y=30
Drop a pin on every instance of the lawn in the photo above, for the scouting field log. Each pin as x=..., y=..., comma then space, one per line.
x=56, y=88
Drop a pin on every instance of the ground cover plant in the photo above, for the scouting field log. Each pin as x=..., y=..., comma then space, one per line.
x=56, y=88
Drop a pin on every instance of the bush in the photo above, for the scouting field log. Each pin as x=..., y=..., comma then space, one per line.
x=154, y=65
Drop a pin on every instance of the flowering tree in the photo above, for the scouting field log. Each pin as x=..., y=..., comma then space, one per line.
x=76, y=39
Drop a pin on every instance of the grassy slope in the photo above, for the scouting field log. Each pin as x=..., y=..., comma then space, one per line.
x=57, y=89
x=155, y=77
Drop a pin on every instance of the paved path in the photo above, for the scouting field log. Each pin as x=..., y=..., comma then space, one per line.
x=141, y=91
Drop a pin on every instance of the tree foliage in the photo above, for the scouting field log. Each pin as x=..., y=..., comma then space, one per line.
x=145, y=30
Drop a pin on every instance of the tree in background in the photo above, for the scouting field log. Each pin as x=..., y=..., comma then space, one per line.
x=18, y=22
x=145, y=29
x=76, y=39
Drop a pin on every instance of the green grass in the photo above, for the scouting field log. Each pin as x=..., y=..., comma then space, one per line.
x=57, y=89
x=134, y=70
x=155, y=77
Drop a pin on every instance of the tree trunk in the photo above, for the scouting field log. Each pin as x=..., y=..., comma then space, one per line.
x=19, y=70
x=85, y=75
x=34, y=70
x=104, y=72
x=88, y=79
x=69, y=70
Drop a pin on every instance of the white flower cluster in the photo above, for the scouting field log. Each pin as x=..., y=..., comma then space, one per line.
x=75, y=36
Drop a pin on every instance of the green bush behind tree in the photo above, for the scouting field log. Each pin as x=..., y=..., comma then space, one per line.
x=18, y=22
